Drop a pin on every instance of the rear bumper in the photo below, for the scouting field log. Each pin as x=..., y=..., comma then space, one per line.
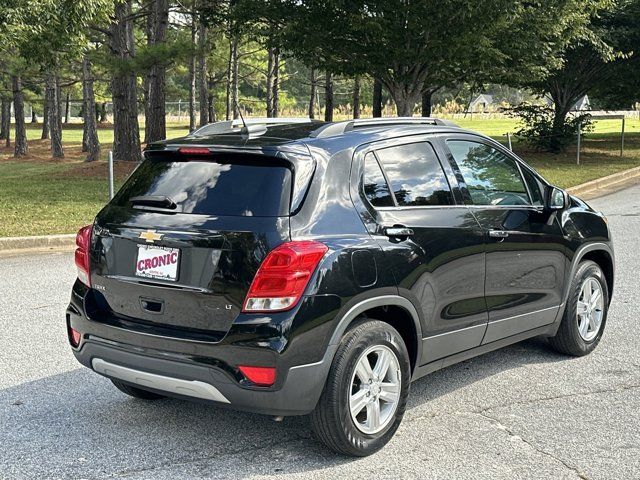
x=297, y=396
x=163, y=383
x=208, y=370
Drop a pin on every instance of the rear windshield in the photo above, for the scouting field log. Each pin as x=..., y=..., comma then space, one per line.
x=212, y=188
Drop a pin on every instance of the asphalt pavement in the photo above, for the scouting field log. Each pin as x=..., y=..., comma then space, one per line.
x=520, y=412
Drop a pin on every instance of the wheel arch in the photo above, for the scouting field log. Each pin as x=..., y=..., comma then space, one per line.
x=395, y=310
x=600, y=253
x=605, y=262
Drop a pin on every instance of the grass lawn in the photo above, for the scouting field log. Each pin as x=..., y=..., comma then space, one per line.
x=41, y=196
x=497, y=127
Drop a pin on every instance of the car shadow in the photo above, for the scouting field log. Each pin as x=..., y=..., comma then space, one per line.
x=76, y=424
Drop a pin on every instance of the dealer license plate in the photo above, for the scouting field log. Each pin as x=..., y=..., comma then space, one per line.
x=157, y=262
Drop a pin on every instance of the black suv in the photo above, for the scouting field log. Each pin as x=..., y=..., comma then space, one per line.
x=297, y=267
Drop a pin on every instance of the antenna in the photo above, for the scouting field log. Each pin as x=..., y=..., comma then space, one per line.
x=244, y=124
x=246, y=130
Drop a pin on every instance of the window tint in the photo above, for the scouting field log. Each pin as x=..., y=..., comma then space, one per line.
x=535, y=188
x=212, y=188
x=375, y=186
x=415, y=175
x=492, y=178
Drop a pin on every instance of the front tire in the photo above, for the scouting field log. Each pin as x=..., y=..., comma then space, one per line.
x=585, y=314
x=365, y=396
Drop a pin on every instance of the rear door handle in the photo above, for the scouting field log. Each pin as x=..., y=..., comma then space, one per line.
x=397, y=231
x=498, y=233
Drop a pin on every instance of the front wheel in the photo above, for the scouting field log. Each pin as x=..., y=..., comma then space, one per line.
x=366, y=392
x=585, y=314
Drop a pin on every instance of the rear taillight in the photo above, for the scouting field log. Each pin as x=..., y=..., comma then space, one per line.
x=83, y=241
x=283, y=276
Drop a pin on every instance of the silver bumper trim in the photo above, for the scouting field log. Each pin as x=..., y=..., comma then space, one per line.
x=190, y=388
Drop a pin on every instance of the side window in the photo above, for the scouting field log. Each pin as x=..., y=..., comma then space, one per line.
x=492, y=177
x=535, y=188
x=375, y=186
x=415, y=175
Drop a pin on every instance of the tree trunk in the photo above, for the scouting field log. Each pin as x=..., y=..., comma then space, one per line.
x=7, y=122
x=85, y=133
x=312, y=94
x=156, y=126
x=55, y=115
x=202, y=75
x=426, y=101
x=126, y=130
x=560, y=112
x=562, y=103
x=405, y=103
x=275, y=94
x=377, y=98
x=405, y=96
x=211, y=101
x=103, y=112
x=328, y=97
x=356, y=97
x=269, y=99
x=234, y=77
x=228, y=81
x=5, y=112
x=147, y=109
x=67, y=107
x=21, y=148
x=150, y=32
x=45, y=117
x=34, y=115
x=192, y=71
x=90, y=142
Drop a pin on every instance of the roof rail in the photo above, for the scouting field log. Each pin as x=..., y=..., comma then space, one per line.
x=230, y=126
x=339, y=128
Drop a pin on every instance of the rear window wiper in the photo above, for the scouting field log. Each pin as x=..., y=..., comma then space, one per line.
x=160, y=201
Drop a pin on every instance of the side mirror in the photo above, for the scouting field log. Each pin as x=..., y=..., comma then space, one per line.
x=557, y=199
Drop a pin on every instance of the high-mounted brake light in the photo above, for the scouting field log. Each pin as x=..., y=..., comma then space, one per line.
x=281, y=279
x=83, y=241
x=260, y=376
x=193, y=151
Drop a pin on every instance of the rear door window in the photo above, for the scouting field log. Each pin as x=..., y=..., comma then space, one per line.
x=415, y=174
x=212, y=188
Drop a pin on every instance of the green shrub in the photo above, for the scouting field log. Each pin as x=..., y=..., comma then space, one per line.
x=539, y=130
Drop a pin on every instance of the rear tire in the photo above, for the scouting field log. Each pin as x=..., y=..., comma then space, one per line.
x=135, y=392
x=378, y=400
x=585, y=314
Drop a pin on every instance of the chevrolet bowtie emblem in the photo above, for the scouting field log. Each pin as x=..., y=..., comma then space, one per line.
x=151, y=236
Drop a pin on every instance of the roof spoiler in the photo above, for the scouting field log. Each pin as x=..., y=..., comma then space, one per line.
x=250, y=125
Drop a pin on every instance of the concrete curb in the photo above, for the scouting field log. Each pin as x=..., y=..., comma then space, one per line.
x=37, y=242
x=44, y=242
x=604, y=183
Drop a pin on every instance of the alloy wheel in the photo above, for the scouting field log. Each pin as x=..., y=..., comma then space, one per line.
x=590, y=309
x=375, y=389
